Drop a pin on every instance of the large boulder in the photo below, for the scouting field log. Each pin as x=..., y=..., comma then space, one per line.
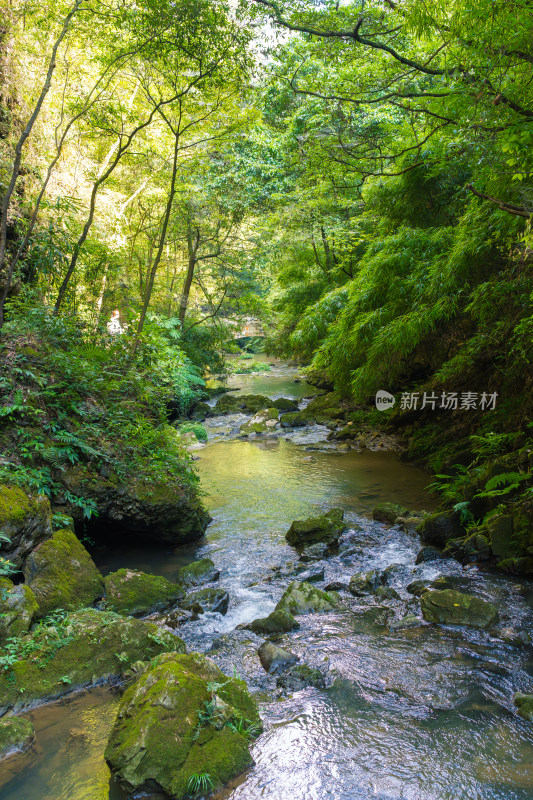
x=321, y=402
x=183, y=718
x=206, y=600
x=363, y=583
x=275, y=659
x=500, y=535
x=438, y=529
x=325, y=528
x=295, y=419
x=85, y=648
x=167, y=511
x=233, y=404
x=449, y=607
x=285, y=404
x=276, y=622
x=262, y=422
x=16, y=735
x=18, y=609
x=24, y=520
x=304, y=598
x=389, y=512
x=137, y=593
x=196, y=573
x=62, y=574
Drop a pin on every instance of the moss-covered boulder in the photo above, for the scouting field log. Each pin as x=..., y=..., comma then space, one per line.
x=181, y=719
x=325, y=528
x=295, y=419
x=24, y=520
x=285, y=404
x=449, y=607
x=389, y=512
x=304, y=598
x=524, y=703
x=18, y=609
x=167, y=510
x=200, y=411
x=262, y=422
x=438, y=529
x=298, y=677
x=321, y=402
x=62, y=574
x=197, y=573
x=85, y=648
x=206, y=600
x=249, y=403
x=500, y=535
x=16, y=735
x=137, y=593
x=276, y=622
x=363, y=583
x=347, y=433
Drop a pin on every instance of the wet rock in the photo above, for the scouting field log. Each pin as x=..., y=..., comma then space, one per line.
x=325, y=528
x=347, y=433
x=409, y=621
x=428, y=553
x=500, y=532
x=372, y=620
x=314, y=552
x=261, y=422
x=304, y=598
x=524, y=703
x=363, y=583
x=312, y=575
x=336, y=586
x=18, y=609
x=275, y=659
x=443, y=582
x=319, y=379
x=517, y=566
x=276, y=622
x=16, y=735
x=438, y=529
x=62, y=574
x=294, y=419
x=172, y=619
x=449, y=607
x=197, y=573
x=387, y=593
x=417, y=588
x=137, y=593
x=389, y=512
x=299, y=677
x=320, y=402
x=409, y=523
x=207, y=600
x=87, y=647
x=24, y=520
x=285, y=404
x=180, y=719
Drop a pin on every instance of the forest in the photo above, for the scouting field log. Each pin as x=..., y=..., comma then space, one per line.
x=266, y=328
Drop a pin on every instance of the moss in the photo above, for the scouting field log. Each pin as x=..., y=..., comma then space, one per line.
x=87, y=647
x=18, y=608
x=277, y=622
x=389, y=512
x=295, y=419
x=304, y=598
x=16, y=735
x=524, y=703
x=130, y=592
x=62, y=574
x=449, y=607
x=158, y=739
x=14, y=504
x=323, y=528
x=201, y=571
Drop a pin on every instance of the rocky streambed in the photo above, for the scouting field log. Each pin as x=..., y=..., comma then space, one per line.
x=380, y=669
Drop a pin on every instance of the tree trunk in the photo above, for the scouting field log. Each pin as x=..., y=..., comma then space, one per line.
x=193, y=242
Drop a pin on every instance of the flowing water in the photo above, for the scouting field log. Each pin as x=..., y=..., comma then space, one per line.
x=423, y=713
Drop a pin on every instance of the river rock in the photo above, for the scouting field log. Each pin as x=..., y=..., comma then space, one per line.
x=206, y=600
x=304, y=598
x=261, y=422
x=87, y=647
x=314, y=552
x=16, y=735
x=347, y=433
x=387, y=593
x=417, y=588
x=500, y=533
x=137, y=593
x=164, y=511
x=428, y=553
x=275, y=659
x=321, y=402
x=312, y=575
x=62, y=574
x=172, y=619
x=197, y=573
x=299, y=677
x=200, y=411
x=251, y=403
x=24, y=520
x=276, y=622
x=363, y=583
x=409, y=621
x=294, y=419
x=285, y=404
x=524, y=703
x=325, y=528
x=389, y=512
x=449, y=607
x=18, y=608
x=438, y=529
x=180, y=719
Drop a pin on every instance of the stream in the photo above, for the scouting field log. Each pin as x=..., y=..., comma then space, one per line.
x=421, y=713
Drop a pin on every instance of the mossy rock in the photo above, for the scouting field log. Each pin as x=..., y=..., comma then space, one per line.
x=202, y=571
x=261, y=422
x=25, y=520
x=295, y=419
x=347, y=433
x=304, y=598
x=321, y=402
x=18, y=609
x=389, y=512
x=62, y=574
x=276, y=622
x=88, y=647
x=233, y=404
x=449, y=607
x=200, y=411
x=299, y=677
x=500, y=535
x=275, y=659
x=285, y=404
x=158, y=741
x=517, y=566
x=215, y=600
x=16, y=735
x=137, y=593
x=438, y=529
x=364, y=583
x=524, y=703
x=325, y=528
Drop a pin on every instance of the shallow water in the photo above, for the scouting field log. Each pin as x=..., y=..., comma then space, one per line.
x=419, y=714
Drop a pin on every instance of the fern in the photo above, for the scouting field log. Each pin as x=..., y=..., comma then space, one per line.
x=508, y=480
